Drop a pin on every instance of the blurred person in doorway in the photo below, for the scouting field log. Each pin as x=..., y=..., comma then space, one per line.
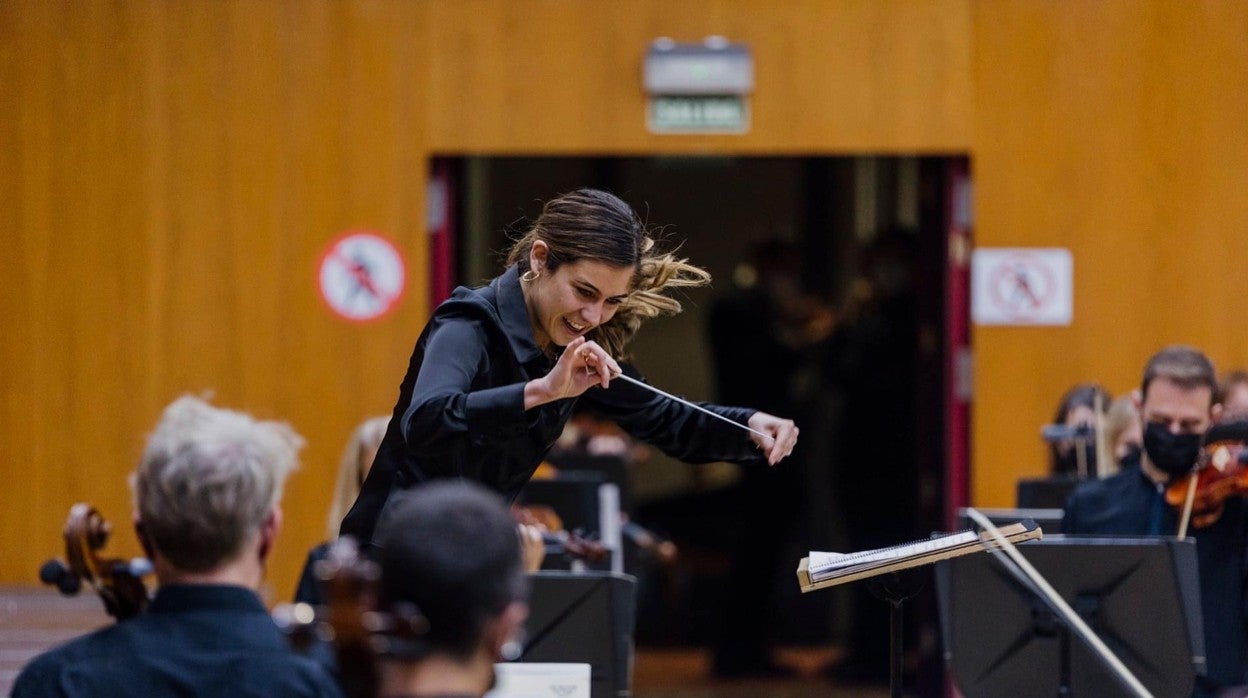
x=874, y=365
x=761, y=337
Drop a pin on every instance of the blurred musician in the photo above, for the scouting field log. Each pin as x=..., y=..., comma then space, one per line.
x=450, y=558
x=207, y=494
x=1077, y=411
x=1177, y=406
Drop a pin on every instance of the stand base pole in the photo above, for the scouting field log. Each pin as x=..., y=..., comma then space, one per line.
x=895, y=588
x=895, y=661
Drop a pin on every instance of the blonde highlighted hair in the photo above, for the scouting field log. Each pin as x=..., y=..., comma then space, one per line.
x=353, y=466
x=594, y=225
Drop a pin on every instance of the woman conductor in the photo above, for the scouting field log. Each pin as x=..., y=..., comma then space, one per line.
x=497, y=370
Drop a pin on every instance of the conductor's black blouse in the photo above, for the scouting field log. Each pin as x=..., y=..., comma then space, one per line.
x=460, y=412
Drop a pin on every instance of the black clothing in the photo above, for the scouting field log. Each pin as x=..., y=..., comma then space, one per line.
x=310, y=589
x=460, y=411
x=1128, y=504
x=193, y=640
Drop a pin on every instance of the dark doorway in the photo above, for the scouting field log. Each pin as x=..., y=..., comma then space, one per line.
x=880, y=399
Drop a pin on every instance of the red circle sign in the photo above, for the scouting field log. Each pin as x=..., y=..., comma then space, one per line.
x=362, y=276
x=1022, y=287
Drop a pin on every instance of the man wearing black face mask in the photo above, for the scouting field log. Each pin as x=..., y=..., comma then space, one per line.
x=1176, y=408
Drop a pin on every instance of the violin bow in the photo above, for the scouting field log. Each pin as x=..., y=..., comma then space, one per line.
x=1074, y=622
x=1192, y=479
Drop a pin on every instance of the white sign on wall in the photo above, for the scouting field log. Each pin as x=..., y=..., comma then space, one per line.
x=1022, y=286
x=361, y=276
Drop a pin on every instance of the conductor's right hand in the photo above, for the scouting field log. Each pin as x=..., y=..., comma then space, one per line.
x=582, y=365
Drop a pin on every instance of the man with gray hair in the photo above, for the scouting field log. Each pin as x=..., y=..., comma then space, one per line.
x=207, y=509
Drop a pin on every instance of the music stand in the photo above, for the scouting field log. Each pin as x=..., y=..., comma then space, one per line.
x=1049, y=520
x=1045, y=492
x=588, y=618
x=891, y=573
x=1140, y=595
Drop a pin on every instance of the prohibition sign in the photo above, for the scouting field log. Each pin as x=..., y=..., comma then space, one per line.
x=362, y=276
x=1022, y=288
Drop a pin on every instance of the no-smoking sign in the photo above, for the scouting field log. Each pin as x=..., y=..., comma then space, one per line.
x=362, y=276
x=1022, y=286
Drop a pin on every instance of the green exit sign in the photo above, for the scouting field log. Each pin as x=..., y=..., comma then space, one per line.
x=698, y=114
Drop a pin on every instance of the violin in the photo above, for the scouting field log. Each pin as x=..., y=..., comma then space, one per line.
x=557, y=540
x=1221, y=472
x=658, y=547
x=118, y=582
x=651, y=543
x=352, y=621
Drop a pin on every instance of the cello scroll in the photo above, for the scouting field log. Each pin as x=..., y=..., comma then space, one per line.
x=118, y=582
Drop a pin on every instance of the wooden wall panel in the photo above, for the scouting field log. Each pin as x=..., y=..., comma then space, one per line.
x=556, y=77
x=173, y=173
x=1114, y=129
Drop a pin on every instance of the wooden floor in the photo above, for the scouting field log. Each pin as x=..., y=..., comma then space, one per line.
x=32, y=620
x=685, y=673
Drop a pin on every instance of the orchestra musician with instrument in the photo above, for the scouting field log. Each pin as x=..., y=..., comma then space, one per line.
x=353, y=466
x=1177, y=406
x=207, y=497
x=451, y=574
x=1078, y=409
x=497, y=370
x=1233, y=394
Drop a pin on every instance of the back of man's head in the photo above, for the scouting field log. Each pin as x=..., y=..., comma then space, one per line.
x=450, y=548
x=1186, y=367
x=208, y=481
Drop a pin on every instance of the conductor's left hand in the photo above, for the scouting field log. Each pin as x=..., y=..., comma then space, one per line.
x=783, y=433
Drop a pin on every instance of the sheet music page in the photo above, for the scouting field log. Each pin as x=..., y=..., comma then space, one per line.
x=824, y=562
x=821, y=569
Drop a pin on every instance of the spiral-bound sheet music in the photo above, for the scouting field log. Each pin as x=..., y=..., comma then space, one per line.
x=828, y=569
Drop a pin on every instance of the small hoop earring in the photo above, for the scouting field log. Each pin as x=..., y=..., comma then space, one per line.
x=511, y=650
x=530, y=275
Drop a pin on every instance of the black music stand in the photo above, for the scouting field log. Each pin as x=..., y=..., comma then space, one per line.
x=1045, y=492
x=585, y=617
x=1140, y=595
x=896, y=588
x=1049, y=519
x=892, y=574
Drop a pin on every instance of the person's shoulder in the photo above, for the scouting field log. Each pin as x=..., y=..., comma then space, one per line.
x=288, y=673
x=1111, y=486
x=1095, y=494
x=1112, y=505
x=41, y=677
x=467, y=301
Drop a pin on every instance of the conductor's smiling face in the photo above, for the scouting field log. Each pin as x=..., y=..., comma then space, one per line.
x=573, y=299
